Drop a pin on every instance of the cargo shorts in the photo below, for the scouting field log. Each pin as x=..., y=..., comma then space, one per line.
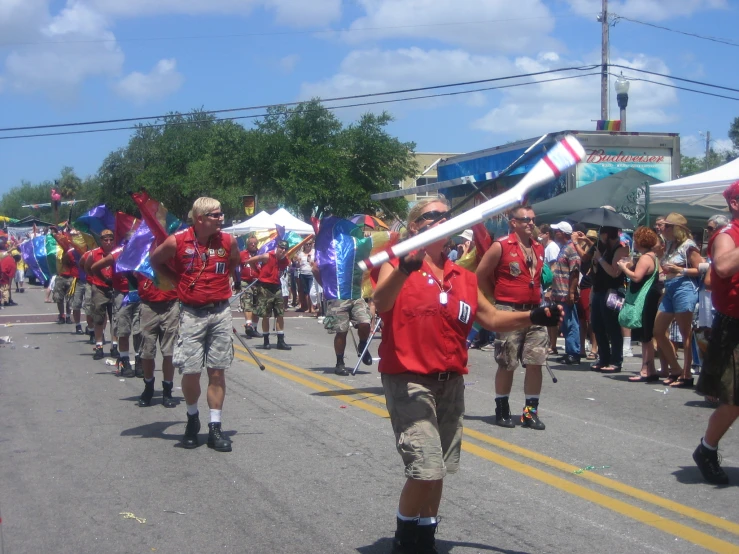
x=249, y=297
x=123, y=316
x=205, y=339
x=70, y=287
x=427, y=417
x=529, y=345
x=344, y=312
x=62, y=286
x=268, y=302
x=102, y=304
x=160, y=322
x=87, y=302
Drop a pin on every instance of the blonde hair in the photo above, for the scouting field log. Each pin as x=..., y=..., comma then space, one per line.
x=420, y=206
x=681, y=234
x=204, y=205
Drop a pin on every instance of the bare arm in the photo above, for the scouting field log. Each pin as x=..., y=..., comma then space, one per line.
x=101, y=264
x=88, y=265
x=725, y=256
x=641, y=270
x=486, y=268
x=257, y=259
x=612, y=269
x=163, y=254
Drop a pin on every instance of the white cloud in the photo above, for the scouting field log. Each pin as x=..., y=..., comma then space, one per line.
x=649, y=10
x=288, y=63
x=503, y=26
x=161, y=81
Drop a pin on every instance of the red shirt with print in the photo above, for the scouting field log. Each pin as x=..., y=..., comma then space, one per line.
x=248, y=272
x=97, y=254
x=151, y=294
x=271, y=269
x=422, y=335
x=512, y=278
x=203, y=270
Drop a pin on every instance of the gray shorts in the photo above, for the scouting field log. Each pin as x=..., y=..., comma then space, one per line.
x=344, y=312
x=529, y=345
x=427, y=417
x=70, y=289
x=205, y=339
x=87, y=302
x=159, y=322
x=123, y=316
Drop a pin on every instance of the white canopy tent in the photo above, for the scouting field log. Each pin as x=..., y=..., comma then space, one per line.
x=703, y=189
x=264, y=221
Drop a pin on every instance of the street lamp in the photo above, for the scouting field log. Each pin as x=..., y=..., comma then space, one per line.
x=622, y=96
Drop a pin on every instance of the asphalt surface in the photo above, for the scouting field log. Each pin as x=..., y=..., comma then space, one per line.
x=314, y=468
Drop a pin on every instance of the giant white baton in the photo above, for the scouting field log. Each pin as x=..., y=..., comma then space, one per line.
x=566, y=153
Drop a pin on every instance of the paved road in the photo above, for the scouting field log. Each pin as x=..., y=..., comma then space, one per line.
x=314, y=468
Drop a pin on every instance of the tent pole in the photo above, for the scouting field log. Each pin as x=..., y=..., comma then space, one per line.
x=646, y=201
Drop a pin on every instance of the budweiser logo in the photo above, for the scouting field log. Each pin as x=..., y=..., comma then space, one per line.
x=600, y=156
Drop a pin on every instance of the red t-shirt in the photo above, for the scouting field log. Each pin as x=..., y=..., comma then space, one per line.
x=150, y=293
x=725, y=291
x=512, y=277
x=421, y=335
x=203, y=270
x=271, y=269
x=7, y=269
x=97, y=255
x=248, y=272
x=81, y=265
x=69, y=264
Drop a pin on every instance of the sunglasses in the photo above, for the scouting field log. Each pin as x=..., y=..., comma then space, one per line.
x=216, y=215
x=710, y=228
x=432, y=216
x=107, y=239
x=526, y=219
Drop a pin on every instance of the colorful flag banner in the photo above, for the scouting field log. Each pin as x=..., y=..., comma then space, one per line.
x=40, y=255
x=135, y=254
x=96, y=220
x=160, y=221
x=608, y=125
x=125, y=225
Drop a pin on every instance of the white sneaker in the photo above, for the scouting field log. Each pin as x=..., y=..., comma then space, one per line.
x=628, y=352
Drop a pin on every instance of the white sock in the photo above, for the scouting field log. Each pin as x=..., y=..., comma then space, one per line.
x=192, y=409
x=115, y=343
x=98, y=344
x=401, y=517
x=627, y=343
x=501, y=396
x=149, y=380
x=168, y=382
x=123, y=354
x=215, y=416
x=704, y=443
x=280, y=333
x=427, y=520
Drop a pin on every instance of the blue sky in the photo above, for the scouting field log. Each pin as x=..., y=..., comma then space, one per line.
x=82, y=60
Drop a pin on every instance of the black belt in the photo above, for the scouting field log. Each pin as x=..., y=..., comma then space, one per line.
x=515, y=306
x=210, y=306
x=442, y=375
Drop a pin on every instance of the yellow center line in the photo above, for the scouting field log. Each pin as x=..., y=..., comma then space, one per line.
x=600, y=480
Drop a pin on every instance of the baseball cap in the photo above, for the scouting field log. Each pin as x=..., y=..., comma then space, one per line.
x=563, y=226
x=283, y=244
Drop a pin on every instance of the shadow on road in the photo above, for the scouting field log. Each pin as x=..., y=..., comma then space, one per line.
x=689, y=475
x=157, y=430
x=384, y=545
x=330, y=370
x=342, y=392
x=700, y=404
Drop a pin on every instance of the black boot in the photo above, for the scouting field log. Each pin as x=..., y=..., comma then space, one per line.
x=340, y=367
x=426, y=539
x=281, y=343
x=406, y=537
x=78, y=329
x=167, y=400
x=190, y=440
x=367, y=357
x=124, y=367
x=114, y=353
x=708, y=464
x=147, y=395
x=256, y=334
x=138, y=367
x=98, y=354
x=503, y=413
x=216, y=440
x=530, y=417
x=266, y=341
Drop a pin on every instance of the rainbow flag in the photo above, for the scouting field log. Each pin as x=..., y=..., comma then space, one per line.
x=160, y=221
x=41, y=254
x=125, y=225
x=135, y=254
x=608, y=125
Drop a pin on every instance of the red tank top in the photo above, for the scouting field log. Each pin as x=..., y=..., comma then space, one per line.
x=150, y=293
x=69, y=265
x=203, y=270
x=97, y=255
x=512, y=277
x=271, y=269
x=248, y=272
x=725, y=291
x=120, y=283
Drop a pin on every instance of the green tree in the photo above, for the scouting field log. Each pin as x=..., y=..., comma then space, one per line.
x=690, y=165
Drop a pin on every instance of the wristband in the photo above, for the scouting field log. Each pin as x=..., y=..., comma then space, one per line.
x=703, y=267
x=406, y=268
x=684, y=272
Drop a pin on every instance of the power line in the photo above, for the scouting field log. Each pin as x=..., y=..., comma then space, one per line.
x=253, y=116
x=702, y=83
x=694, y=35
x=677, y=87
x=266, y=106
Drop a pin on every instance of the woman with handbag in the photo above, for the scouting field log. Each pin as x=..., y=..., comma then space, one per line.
x=642, y=298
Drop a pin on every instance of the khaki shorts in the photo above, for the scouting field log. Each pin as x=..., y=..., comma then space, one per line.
x=205, y=339
x=123, y=316
x=62, y=289
x=344, y=312
x=269, y=303
x=427, y=416
x=249, y=298
x=62, y=286
x=159, y=322
x=102, y=304
x=87, y=302
x=529, y=345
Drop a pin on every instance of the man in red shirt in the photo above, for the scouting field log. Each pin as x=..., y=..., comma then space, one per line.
x=102, y=294
x=269, y=299
x=720, y=373
x=200, y=260
x=248, y=276
x=67, y=286
x=87, y=302
x=510, y=272
x=6, y=275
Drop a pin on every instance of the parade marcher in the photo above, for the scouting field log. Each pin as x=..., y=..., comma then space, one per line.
x=269, y=300
x=87, y=301
x=510, y=272
x=202, y=259
x=343, y=314
x=565, y=290
x=249, y=276
x=160, y=320
x=428, y=305
x=125, y=315
x=102, y=294
x=7, y=272
x=720, y=373
x=69, y=290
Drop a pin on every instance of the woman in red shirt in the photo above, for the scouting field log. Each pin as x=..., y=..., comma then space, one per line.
x=428, y=305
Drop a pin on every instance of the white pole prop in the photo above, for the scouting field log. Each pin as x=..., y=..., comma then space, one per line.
x=559, y=159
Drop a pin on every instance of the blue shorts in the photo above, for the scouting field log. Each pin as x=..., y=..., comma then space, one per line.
x=681, y=295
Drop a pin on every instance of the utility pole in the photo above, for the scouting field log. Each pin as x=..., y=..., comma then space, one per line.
x=708, y=147
x=604, y=62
